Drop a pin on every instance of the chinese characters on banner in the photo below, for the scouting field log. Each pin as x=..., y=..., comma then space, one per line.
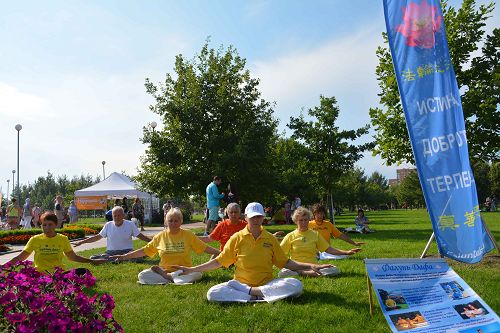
x=426, y=295
x=435, y=122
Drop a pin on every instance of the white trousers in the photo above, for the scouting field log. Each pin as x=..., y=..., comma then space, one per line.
x=273, y=291
x=147, y=276
x=26, y=222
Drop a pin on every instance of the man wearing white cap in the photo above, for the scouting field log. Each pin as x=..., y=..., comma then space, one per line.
x=253, y=251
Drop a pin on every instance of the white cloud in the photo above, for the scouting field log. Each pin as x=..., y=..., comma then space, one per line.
x=342, y=67
x=22, y=105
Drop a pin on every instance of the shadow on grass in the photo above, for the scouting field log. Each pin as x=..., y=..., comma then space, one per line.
x=414, y=235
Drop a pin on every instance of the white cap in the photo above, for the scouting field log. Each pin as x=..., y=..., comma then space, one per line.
x=254, y=209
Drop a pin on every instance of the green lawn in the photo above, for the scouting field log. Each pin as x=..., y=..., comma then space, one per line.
x=327, y=305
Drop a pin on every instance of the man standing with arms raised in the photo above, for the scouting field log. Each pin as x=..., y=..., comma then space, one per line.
x=213, y=199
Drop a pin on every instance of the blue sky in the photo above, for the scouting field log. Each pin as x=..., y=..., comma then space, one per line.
x=73, y=71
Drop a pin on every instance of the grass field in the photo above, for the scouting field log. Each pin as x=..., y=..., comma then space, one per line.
x=328, y=304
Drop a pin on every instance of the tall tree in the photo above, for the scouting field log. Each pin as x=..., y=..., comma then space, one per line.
x=479, y=84
x=214, y=123
x=330, y=151
x=410, y=191
x=290, y=165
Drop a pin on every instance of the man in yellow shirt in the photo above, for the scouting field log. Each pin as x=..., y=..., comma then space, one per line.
x=253, y=251
x=174, y=245
x=302, y=245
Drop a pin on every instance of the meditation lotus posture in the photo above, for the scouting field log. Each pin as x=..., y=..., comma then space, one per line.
x=118, y=234
x=325, y=228
x=302, y=244
x=50, y=248
x=174, y=245
x=253, y=251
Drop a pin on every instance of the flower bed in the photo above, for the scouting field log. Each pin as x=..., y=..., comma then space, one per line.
x=34, y=302
x=90, y=229
x=22, y=236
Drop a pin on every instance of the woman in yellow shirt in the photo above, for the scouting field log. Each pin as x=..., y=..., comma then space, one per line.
x=253, y=251
x=174, y=246
x=302, y=244
x=326, y=228
x=51, y=247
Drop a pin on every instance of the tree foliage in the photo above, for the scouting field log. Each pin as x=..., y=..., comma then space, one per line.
x=45, y=189
x=410, y=191
x=214, y=123
x=478, y=77
x=330, y=152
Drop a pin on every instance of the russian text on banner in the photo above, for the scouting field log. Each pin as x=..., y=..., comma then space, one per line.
x=91, y=203
x=426, y=295
x=434, y=118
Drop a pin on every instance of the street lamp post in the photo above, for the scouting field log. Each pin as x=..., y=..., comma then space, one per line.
x=103, y=172
x=8, y=183
x=18, y=129
x=13, y=183
x=153, y=125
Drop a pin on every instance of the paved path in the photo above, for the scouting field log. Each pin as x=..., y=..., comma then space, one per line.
x=100, y=243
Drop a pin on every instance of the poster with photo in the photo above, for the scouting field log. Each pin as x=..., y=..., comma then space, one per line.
x=426, y=295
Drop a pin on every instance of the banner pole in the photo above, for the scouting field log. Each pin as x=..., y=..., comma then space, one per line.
x=370, y=298
x=427, y=246
x=490, y=235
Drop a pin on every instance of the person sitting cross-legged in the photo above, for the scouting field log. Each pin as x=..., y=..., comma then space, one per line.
x=228, y=227
x=302, y=244
x=51, y=247
x=253, y=251
x=174, y=245
x=326, y=228
x=118, y=234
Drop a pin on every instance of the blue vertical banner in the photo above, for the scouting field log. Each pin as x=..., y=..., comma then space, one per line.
x=434, y=118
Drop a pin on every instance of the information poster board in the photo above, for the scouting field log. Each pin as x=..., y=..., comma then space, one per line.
x=426, y=295
x=91, y=203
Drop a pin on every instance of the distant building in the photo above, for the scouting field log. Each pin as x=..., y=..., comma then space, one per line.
x=401, y=174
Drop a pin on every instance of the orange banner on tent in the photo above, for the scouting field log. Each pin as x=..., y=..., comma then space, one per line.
x=91, y=203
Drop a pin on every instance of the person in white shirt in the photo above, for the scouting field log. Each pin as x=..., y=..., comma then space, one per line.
x=118, y=234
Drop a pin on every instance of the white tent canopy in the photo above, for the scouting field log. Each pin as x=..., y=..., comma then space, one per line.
x=115, y=185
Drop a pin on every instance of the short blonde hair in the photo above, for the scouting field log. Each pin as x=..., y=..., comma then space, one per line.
x=300, y=212
x=176, y=212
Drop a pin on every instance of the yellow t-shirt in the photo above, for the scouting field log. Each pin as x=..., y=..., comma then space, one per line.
x=303, y=246
x=253, y=258
x=174, y=249
x=49, y=251
x=325, y=229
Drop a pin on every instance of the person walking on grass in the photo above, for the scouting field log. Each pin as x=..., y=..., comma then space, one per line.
x=174, y=245
x=51, y=247
x=303, y=244
x=118, y=234
x=213, y=203
x=253, y=251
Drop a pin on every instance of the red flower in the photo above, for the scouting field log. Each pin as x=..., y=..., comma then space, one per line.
x=421, y=22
